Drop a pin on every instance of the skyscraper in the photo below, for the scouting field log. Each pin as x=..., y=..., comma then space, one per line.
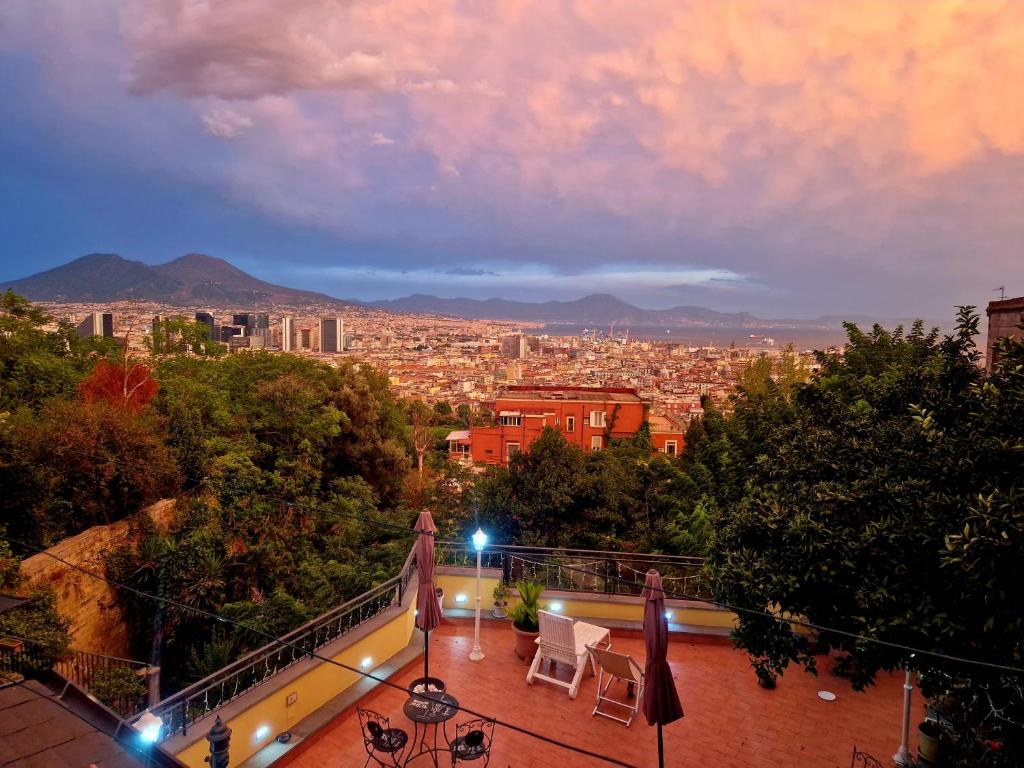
x=96, y=324
x=515, y=346
x=287, y=334
x=207, y=319
x=332, y=334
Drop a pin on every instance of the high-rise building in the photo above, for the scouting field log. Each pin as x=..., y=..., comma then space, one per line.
x=515, y=346
x=161, y=334
x=287, y=334
x=208, y=320
x=1004, y=320
x=96, y=324
x=332, y=334
x=254, y=323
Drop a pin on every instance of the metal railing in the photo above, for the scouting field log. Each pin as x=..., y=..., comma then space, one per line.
x=584, y=570
x=202, y=698
x=23, y=658
x=91, y=670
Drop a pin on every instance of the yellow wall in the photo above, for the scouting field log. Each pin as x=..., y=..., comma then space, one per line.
x=578, y=605
x=456, y=584
x=314, y=688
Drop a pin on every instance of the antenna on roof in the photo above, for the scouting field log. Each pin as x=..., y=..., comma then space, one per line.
x=1002, y=291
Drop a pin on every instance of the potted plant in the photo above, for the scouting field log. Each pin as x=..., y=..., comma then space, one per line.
x=524, y=618
x=931, y=742
x=500, y=593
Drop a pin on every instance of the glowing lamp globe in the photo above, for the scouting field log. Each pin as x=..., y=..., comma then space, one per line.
x=479, y=540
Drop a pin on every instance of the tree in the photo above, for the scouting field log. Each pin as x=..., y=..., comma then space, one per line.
x=886, y=502
x=124, y=384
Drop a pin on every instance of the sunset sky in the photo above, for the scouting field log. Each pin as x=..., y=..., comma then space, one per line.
x=789, y=158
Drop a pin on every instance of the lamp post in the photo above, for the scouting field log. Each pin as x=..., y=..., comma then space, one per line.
x=479, y=540
x=902, y=756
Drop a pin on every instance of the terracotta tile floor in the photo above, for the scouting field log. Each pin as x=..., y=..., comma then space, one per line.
x=730, y=722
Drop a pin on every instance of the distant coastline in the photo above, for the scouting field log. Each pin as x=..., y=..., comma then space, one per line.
x=721, y=336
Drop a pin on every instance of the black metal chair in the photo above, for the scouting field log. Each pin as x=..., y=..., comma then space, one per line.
x=473, y=741
x=864, y=760
x=380, y=738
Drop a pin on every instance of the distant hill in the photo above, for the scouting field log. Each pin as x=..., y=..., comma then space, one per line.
x=188, y=280
x=197, y=280
x=596, y=309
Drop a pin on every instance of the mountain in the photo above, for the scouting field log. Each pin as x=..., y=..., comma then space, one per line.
x=188, y=280
x=596, y=309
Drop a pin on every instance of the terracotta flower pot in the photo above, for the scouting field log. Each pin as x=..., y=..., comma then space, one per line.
x=526, y=645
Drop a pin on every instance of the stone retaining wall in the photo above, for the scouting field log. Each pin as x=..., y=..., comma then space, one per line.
x=97, y=622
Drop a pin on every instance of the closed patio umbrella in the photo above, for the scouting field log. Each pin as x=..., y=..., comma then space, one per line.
x=428, y=612
x=661, y=701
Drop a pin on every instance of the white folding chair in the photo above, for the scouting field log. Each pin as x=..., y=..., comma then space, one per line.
x=617, y=666
x=565, y=641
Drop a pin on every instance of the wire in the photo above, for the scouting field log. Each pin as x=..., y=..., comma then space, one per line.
x=799, y=622
x=677, y=595
x=56, y=699
x=312, y=654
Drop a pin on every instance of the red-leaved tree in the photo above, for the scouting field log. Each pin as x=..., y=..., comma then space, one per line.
x=125, y=385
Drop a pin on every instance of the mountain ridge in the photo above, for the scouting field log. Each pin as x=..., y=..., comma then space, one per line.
x=198, y=279
x=194, y=278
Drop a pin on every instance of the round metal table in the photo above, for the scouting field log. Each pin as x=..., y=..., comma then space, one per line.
x=428, y=711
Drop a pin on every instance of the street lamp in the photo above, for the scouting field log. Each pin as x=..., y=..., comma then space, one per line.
x=479, y=541
x=902, y=756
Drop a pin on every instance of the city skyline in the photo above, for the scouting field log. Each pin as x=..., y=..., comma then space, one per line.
x=783, y=160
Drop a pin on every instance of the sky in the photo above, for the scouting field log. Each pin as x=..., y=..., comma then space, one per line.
x=786, y=158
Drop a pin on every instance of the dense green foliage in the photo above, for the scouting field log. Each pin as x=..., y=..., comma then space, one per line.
x=884, y=499
x=622, y=498
x=279, y=464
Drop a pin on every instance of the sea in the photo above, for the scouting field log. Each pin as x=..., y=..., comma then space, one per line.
x=718, y=336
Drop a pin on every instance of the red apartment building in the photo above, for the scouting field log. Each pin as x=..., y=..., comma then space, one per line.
x=589, y=417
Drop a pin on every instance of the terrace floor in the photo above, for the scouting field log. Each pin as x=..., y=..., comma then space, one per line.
x=730, y=722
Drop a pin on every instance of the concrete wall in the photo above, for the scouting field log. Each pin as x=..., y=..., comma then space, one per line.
x=97, y=623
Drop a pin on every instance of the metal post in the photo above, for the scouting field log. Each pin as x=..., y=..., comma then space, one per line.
x=477, y=654
x=902, y=756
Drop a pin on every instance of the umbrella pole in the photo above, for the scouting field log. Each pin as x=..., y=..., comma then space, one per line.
x=661, y=749
x=426, y=658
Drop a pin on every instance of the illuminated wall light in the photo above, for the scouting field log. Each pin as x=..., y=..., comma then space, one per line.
x=148, y=726
x=366, y=663
x=556, y=607
x=262, y=732
x=668, y=615
x=460, y=598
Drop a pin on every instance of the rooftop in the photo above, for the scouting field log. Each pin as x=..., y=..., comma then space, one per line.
x=587, y=394
x=47, y=723
x=729, y=722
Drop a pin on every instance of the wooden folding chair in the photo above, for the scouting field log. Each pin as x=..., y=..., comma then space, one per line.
x=617, y=666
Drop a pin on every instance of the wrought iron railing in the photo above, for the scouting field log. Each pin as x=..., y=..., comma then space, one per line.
x=90, y=670
x=585, y=570
x=199, y=700
x=23, y=658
